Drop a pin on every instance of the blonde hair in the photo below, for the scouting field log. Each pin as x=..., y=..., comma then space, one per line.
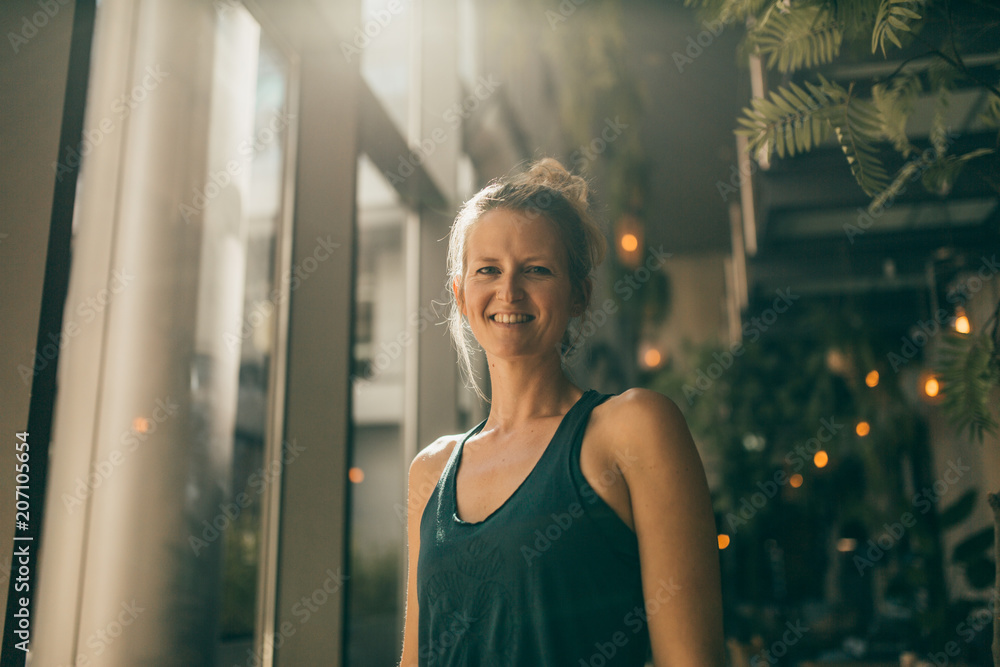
x=545, y=189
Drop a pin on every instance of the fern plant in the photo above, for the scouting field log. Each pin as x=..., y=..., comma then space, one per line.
x=969, y=369
x=791, y=35
x=795, y=120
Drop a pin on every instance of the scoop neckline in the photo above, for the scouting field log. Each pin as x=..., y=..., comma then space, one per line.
x=458, y=462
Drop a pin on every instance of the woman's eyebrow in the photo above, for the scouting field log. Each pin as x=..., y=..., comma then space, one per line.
x=533, y=258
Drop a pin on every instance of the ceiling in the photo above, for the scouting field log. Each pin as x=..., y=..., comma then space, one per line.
x=687, y=130
x=684, y=124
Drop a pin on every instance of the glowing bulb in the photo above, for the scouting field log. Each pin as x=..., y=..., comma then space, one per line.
x=629, y=242
x=795, y=480
x=652, y=358
x=723, y=540
x=821, y=459
x=356, y=475
x=962, y=324
x=931, y=386
x=872, y=379
x=140, y=425
x=846, y=544
x=863, y=428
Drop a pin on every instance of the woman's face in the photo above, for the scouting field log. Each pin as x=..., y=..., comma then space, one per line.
x=517, y=294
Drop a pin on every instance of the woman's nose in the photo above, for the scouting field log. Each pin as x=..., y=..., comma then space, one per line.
x=510, y=288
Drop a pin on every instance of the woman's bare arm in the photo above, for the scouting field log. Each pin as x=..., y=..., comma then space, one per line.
x=425, y=470
x=675, y=526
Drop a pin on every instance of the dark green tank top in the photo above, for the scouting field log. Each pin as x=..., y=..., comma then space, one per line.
x=550, y=578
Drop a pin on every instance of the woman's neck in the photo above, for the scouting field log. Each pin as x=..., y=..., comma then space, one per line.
x=524, y=390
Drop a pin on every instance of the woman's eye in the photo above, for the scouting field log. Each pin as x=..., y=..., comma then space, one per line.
x=537, y=269
x=486, y=269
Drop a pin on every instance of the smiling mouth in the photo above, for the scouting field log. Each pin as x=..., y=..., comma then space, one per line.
x=520, y=318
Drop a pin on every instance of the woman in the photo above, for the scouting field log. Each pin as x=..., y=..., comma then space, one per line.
x=570, y=527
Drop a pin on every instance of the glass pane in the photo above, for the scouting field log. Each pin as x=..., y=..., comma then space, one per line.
x=377, y=533
x=383, y=43
x=244, y=211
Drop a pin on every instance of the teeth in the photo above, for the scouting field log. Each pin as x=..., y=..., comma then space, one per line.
x=511, y=319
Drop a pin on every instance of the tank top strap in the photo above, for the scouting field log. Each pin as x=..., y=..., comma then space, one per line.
x=590, y=400
x=618, y=534
x=443, y=496
x=570, y=432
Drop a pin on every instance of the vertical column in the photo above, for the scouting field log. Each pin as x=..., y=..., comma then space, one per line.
x=439, y=93
x=312, y=547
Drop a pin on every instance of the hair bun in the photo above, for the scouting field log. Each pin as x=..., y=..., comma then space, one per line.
x=551, y=173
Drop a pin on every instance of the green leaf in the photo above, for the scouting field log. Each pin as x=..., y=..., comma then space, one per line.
x=893, y=14
x=857, y=16
x=979, y=152
x=959, y=510
x=801, y=95
x=973, y=546
x=895, y=104
x=991, y=117
x=941, y=175
x=969, y=372
x=858, y=127
x=790, y=120
x=981, y=573
x=791, y=40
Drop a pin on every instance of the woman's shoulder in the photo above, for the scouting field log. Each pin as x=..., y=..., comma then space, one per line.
x=425, y=471
x=639, y=417
x=431, y=460
x=638, y=407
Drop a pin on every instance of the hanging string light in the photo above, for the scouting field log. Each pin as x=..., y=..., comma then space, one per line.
x=962, y=325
